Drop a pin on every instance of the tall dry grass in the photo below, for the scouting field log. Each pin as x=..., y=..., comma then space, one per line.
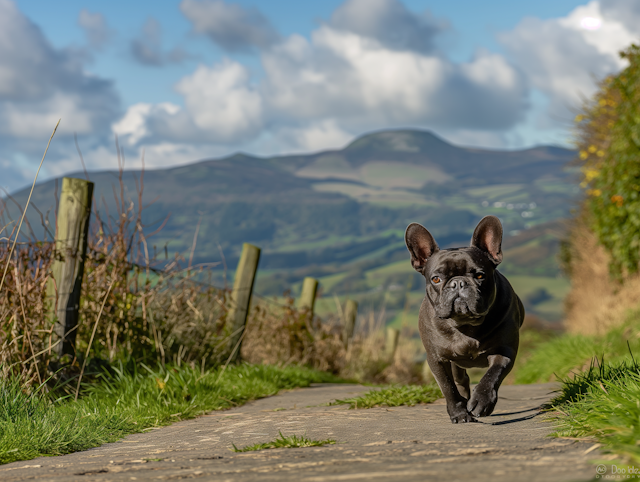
x=153, y=309
x=279, y=334
x=25, y=332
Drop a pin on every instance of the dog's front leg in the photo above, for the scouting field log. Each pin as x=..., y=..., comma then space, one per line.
x=456, y=403
x=485, y=395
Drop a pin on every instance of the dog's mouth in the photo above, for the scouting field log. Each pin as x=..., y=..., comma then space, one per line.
x=461, y=310
x=461, y=307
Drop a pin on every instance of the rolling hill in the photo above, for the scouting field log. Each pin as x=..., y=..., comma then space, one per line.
x=340, y=215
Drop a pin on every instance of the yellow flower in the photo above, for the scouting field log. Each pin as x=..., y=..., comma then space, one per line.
x=617, y=199
x=594, y=192
x=600, y=153
x=590, y=174
x=584, y=155
x=161, y=384
x=592, y=149
x=579, y=118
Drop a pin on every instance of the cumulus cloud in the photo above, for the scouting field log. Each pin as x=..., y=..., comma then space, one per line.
x=374, y=64
x=364, y=84
x=147, y=48
x=40, y=84
x=221, y=106
x=563, y=59
x=389, y=22
x=230, y=26
x=95, y=28
x=627, y=12
x=341, y=82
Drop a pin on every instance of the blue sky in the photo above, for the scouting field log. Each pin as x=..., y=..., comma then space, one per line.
x=191, y=79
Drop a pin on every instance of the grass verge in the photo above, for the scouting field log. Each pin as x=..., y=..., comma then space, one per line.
x=567, y=353
x=603, y=404
x=394, y=396
x=288, y=442
x=128, y=402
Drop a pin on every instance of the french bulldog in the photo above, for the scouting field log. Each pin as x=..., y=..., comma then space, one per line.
x=470, y=316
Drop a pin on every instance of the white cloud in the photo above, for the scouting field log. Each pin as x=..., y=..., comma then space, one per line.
x=221, y=101
x=133, y=124
x=40, y=84
x=221, y=107
x=626, y=12
x=565, y=60
x=364, y=84
x=322, y=91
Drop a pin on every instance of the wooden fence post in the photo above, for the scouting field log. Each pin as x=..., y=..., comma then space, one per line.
x=308, y=295
x=350, y=314
x=391, y=343
x=241, y=294
x=72, y=232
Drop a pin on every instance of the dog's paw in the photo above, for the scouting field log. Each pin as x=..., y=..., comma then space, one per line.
x=467, y=348
x=466, y=417
x=482, y=402
x=459, y=414
x=474, y=349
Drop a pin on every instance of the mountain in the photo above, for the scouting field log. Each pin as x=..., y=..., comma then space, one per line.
x=341, y=214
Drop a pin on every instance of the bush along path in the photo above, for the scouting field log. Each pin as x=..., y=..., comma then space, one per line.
x=409, y=443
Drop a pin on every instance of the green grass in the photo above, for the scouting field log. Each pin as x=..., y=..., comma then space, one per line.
x=569, y=352
x=409, y=395
x=131, y=401
x=603, y=404
x=288, y=442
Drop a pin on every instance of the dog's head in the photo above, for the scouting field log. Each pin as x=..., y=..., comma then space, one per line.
x=460, y=281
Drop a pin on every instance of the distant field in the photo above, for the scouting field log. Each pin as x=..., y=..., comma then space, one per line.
x=400, y=175
x=385, y=196
x=495, y=192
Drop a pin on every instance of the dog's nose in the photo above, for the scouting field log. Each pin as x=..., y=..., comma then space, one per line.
x=458, y=284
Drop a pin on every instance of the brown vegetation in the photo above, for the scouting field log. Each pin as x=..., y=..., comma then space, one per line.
x=167, y=315
x=280, y=334
x=596, y=302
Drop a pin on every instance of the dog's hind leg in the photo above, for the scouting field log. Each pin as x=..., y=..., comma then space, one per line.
x=462, y=380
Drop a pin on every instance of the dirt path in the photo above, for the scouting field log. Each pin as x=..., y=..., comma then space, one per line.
x=405, y=443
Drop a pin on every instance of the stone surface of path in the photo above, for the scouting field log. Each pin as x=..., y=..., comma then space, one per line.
x=403, y=443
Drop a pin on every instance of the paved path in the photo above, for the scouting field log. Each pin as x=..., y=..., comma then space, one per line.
x=404, y=443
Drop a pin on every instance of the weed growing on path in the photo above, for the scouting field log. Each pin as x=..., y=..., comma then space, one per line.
x=409, y=395
x=130, y=401
x=288, y=442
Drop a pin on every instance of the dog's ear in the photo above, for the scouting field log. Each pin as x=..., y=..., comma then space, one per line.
x=420, y=244
x=488, y=237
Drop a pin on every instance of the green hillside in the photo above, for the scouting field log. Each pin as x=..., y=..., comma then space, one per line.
x=340, y=215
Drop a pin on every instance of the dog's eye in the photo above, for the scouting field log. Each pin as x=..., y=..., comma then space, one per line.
x=479, y=275
x=435, y=279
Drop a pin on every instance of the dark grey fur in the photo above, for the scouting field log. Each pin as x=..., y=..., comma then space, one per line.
x=470, y=316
